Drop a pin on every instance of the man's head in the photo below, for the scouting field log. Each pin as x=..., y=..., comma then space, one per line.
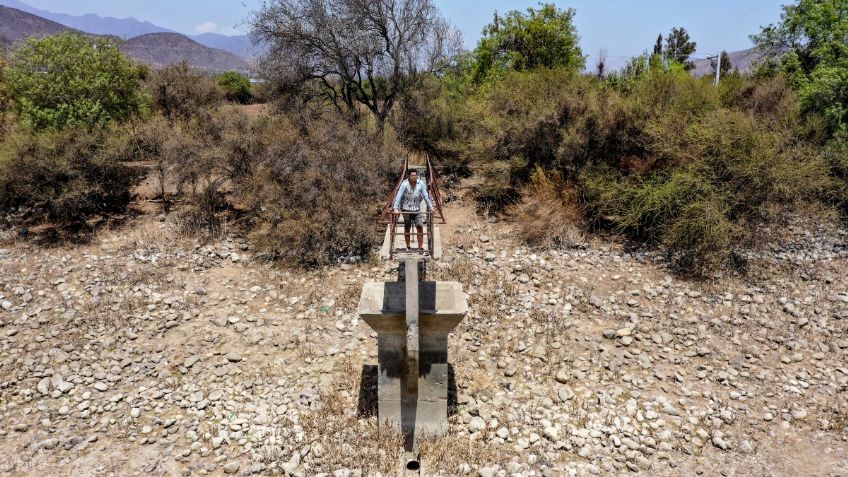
x=413, y=175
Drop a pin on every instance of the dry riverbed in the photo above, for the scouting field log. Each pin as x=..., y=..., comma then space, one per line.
x=141, y=354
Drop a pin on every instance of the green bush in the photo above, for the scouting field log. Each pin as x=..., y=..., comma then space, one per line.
x=737, y=175
x=816, y=62
x=62, y=177
x=72, y=80
x=541, y=38
x=667, y=158
x=236, y=87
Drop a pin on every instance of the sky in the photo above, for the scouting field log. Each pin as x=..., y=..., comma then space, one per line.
x=624, y=28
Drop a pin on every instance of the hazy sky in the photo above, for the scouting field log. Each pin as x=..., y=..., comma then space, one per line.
x=624, y=28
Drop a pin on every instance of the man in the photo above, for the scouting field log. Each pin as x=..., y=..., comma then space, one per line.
x=408, y=199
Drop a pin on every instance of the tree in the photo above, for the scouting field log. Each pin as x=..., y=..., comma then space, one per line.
x=678, y=47
x=810, y=45
x=658, y=46
x=544, y=37
x=353, y=52
x=236, y=86
x=71, y=79
x=181, y=92
x=726, y=65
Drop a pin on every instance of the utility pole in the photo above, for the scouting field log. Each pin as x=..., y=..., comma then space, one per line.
x=718, y=68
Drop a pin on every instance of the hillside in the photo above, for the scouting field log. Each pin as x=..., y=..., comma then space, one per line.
x=157, y=49
x=130, y=27
x=90, y=23
x=16, y=25
x=161, y=49
x=743, y=61
x=237, y=44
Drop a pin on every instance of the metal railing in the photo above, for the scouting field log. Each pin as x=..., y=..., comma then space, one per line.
x=435, y=216
x=428, y=250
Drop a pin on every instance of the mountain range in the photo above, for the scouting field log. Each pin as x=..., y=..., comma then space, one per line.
x=743, y=61
x=157, y=48
x=127, y=28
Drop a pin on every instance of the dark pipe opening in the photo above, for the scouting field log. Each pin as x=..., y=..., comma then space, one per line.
x=413, y=465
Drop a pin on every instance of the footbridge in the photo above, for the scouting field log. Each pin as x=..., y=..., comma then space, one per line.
x=413, y=317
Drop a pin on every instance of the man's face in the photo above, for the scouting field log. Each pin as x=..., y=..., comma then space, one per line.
x=413, y=177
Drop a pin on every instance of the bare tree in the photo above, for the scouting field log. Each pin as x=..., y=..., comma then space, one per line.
x=353, y=52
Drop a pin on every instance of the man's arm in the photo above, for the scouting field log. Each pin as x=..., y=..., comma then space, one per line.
x=426, y=196
x=401, y=190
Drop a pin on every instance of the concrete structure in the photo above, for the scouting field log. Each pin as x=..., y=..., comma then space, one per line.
x=412, y=349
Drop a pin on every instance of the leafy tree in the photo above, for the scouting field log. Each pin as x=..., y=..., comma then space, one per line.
x=71, y=79
x=726, y=64
x=353, y=53
x=236, y=86
x=658, y=46
x=679, y=47
x=544, y=37
x=810, y=45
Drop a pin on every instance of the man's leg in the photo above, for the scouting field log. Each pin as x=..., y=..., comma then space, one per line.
x=420, y=237
x=406, y=229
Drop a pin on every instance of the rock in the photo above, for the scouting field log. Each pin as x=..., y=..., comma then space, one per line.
x=232, y=467
x=562, y=376
x=485, y=238
x=43, y=386
x=65, y=386
x=719, y=442
x=486, y=472
x=565, y=394
x=49, y=443
x=233, y=357
x=21, y=427
x=477, y=423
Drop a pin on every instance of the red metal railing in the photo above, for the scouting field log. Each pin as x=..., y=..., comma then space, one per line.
x=388, y=217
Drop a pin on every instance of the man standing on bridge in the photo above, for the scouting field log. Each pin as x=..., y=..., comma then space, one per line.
x=408, y=199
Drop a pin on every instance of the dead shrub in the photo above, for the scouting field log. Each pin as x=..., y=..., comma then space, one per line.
x=181, y=92
x=549, y=213
x=317, y=198
x=62, y=177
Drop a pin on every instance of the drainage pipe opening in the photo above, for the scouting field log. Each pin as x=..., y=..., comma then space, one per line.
x=413, y=465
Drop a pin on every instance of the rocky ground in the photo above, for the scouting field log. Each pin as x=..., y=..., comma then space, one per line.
x=145, y=354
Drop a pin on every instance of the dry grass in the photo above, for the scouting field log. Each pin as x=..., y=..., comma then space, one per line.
x=549, y=214
x=339, y=438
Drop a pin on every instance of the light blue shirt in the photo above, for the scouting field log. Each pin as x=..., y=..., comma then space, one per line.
x=411, y=198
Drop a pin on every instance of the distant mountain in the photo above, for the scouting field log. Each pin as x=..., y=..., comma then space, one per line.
x=237, y=44
x=743, y=61
x=90, y=23
x=130, y=27
x=160, y=49
x=16, y=25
